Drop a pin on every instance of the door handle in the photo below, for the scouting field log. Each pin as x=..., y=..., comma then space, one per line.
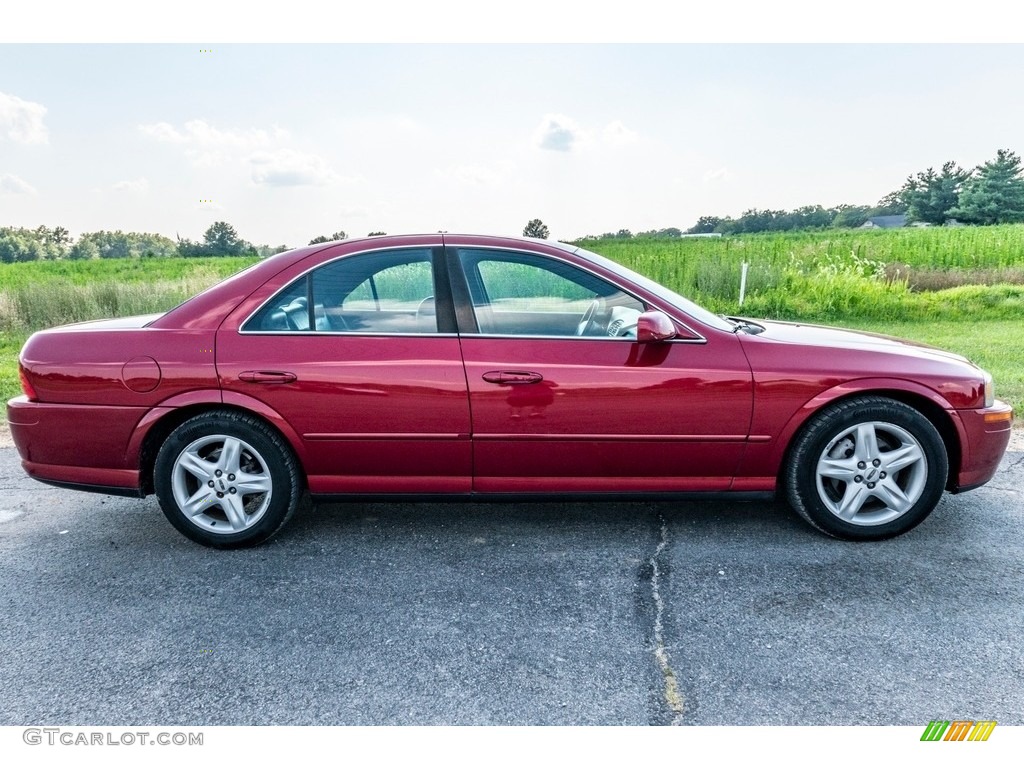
x=512, y=377
x=267, y=377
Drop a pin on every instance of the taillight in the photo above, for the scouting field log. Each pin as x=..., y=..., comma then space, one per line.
x=26, y=385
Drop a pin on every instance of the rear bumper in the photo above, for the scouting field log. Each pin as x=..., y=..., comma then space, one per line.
x=987, y=433
x=80, y=446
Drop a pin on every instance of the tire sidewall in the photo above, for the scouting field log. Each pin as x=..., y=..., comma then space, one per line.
x=279, y=464
x=802, y=469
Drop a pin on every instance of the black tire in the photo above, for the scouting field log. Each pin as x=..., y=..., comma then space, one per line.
x=226, y=480
x=866, y=469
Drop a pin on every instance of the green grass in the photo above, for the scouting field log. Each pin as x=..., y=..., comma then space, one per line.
x=45, y=304
x=10, y=346
x=117, y=270
x=841, y=276
x=931, y=247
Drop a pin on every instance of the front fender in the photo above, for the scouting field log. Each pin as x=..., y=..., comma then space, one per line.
x=884, y=387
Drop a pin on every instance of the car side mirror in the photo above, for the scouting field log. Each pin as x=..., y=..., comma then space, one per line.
x=654, y=326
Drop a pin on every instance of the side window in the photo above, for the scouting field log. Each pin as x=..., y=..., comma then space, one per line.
x=398, y=288
x=519, y=294
x=378, y=293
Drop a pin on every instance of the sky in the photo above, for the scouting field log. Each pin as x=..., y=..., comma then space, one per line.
x=290, y=141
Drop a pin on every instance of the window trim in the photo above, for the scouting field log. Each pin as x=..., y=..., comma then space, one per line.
x=442, y=297
x=464, y=301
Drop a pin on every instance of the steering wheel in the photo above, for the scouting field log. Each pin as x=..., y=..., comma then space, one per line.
x=623, y=322
x=588, y=317
x=426, y=308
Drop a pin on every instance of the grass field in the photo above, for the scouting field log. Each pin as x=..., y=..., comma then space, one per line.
x=961, y=248
x=875, y=280
x=14, y=276
x=842, y=275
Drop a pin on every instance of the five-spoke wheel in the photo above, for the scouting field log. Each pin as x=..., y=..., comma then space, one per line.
x=866, y=468
x=226, y=480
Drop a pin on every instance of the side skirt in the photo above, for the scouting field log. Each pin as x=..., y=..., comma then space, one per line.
x=499, y=498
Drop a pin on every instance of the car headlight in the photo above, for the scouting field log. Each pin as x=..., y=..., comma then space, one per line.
x=990, y=389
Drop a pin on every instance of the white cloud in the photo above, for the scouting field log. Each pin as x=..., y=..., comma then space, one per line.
x=718, y=175
x=199, y=133
x=617, y=133
x=138, y=186
x=201, y=158
x=287, y=168
x=163, y=132
x=207, y=146
x=12, y=185
x=22, y=121
x=472, y=175
x=559, y=133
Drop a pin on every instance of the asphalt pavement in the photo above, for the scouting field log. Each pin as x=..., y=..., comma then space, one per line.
x=545, y=613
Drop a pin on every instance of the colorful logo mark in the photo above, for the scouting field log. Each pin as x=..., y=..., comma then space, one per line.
x=958, y=730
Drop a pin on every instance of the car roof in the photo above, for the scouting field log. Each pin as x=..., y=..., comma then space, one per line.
x=207, y=309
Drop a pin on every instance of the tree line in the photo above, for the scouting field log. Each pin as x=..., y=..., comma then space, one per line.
x=991, y=193
x=19, y=244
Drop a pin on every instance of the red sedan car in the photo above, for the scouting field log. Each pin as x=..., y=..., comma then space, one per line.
x=466, y=366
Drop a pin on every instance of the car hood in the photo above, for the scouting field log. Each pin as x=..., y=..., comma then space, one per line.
x=825, y=336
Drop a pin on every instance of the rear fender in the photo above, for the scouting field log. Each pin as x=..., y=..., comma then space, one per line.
x=210, y=399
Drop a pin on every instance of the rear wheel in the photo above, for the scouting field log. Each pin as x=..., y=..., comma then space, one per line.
x=226, y=480
x=865, y=469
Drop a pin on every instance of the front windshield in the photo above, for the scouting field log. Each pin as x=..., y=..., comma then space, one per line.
x=671, y=297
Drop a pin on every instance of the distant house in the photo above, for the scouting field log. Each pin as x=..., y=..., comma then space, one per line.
x=885, y=222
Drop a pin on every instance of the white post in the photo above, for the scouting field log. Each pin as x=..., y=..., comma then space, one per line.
x=743, y=282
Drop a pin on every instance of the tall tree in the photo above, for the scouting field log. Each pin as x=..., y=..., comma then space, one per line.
x=705, y=225
x=124, y=245
x=851, y=215
x=892, y=204
x=18, y=244
x=809, y=217
x=995, y=193
x=84, y=249
x=340, y=235
x=930, y=196
x=221, y=239
x=536, y=228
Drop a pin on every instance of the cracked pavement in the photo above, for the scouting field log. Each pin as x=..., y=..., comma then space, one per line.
x=547, y=613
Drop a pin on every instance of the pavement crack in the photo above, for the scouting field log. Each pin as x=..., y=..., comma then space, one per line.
x=1014, y=464
x=671, y=693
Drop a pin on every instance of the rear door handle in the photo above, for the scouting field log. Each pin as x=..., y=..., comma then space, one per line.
x=512, y=377
x=267, y=377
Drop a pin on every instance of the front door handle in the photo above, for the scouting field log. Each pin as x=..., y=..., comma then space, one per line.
x=512, y=377
x=267, y=377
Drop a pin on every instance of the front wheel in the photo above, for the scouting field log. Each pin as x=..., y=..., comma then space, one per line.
x=226, y=480
x=866, y=469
